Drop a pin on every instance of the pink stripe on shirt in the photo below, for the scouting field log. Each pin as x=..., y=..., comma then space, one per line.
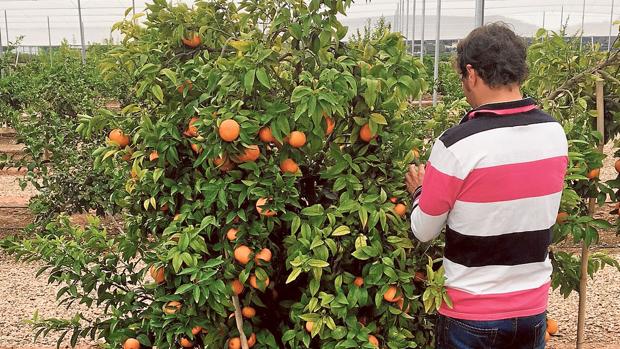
x=510, y=111
x=489, y=307
x=439, y=191
x=515, y=181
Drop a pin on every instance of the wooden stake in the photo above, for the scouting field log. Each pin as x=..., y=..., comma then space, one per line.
x=239, y=321
x=585, y=253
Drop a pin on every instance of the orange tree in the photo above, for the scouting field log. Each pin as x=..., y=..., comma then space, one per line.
x=264, y=169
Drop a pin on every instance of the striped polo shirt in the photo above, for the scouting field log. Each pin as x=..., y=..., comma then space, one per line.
x=495, y=182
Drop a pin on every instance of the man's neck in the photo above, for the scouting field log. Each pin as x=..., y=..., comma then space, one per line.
x=500, y=95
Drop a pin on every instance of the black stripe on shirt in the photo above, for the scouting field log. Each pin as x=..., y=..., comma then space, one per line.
x=506, y=249
x=484, y=122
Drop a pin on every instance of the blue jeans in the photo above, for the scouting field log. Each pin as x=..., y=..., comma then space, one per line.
x=518, y=333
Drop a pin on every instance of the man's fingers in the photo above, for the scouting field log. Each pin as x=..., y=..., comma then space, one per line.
x=413, y=170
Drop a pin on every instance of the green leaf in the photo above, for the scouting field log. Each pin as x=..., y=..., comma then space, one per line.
x=294, y=274
x=378, y=118
x=341, y=230
x=157, y=92
x=318, y=263
x=248, y=80
x=263, y=78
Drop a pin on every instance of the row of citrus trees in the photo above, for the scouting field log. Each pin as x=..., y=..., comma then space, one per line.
x=259, y=174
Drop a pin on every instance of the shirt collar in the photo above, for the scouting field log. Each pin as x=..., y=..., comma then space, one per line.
x=502, y=108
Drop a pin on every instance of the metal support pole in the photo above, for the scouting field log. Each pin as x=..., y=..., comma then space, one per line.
x=562, y=18
x=396, y=16
x=413, y=29
x=479, y=13
x=544, y=18
x=611, y=26
x=133, y=5
x=1, y=47
x=583, y=20
x=6, y=27
x=437, y=41
x=49, y=39
x=422, y=39
x=407, y=21
x=402, y=16
x=82, y=33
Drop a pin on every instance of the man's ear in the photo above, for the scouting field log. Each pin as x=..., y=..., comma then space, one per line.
x=472, y=74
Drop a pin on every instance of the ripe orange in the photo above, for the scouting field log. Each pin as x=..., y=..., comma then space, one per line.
x=187, y=83
x=265, y=135
x=373, y=340
x=248, y=312
x=594, y=173
x=400, y=209
x=234, y=343
x=196, y=148
x=289, y=166
x=359, y=281
x=254, y=282
x=259, y=208
x=330, y=125
x=131, y=343
x=365, y=133
x=224, y=164
x=263, y=255
x=229, y=130
x=552, y=326
x=392, y=294
x=309, y=326
x=186, y=343
x=172, y=307
x=561, y=218
x=154, y=155
x=401, y=305
x=251, y=153
x=252, y=340
x=192, y=131
x=192, y=41
x=164, y=208
x=236, y=286
x=617, y=165
x=394, y=200
x=157, y=274
x=231, y=234
x=416, y=153
x=119, y=138
x=242, y=254
x=196, y=330
x=297, y=139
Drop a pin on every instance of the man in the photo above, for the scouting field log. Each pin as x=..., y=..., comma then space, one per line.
x=495, y=181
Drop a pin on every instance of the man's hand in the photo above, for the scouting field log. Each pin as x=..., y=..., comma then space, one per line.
x=414, y=177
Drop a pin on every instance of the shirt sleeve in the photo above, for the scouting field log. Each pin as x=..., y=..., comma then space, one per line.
x=433, y=201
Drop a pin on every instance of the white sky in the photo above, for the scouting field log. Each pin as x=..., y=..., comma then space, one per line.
x=29, y=17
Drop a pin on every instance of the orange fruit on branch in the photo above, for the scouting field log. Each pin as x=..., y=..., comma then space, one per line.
x=309, y=326
x=229, y=130
x=192, y=40
x=297, y=139
x=250, y=154
x=231, y=234
x=594, y=173
x=265, y=135
x=187, y=83
x=236, y=286
x=192, y=131
x=552, y=326
x=186, y=343
x=242, y=254
x=561, y=218
x=254, y=282
x=248, y=312
x=154, y=155
x=131, y=343
x=157, y=274
x=289, y=166
x=196, y=148
x=359, y=281
x=365, y=134
x=330, y=125
x=119, y=138
x=196, y=330
x=393, y=200
x=373, y=340
x=392, y=294
x=259, y=208
x=400, y=209
x=172, y=307
x=234, y=343
x=263, y=255
x=252, y=340
x=617, y=165
x=224, y=164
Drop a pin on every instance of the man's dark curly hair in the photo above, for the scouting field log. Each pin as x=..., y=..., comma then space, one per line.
x=496, y=53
